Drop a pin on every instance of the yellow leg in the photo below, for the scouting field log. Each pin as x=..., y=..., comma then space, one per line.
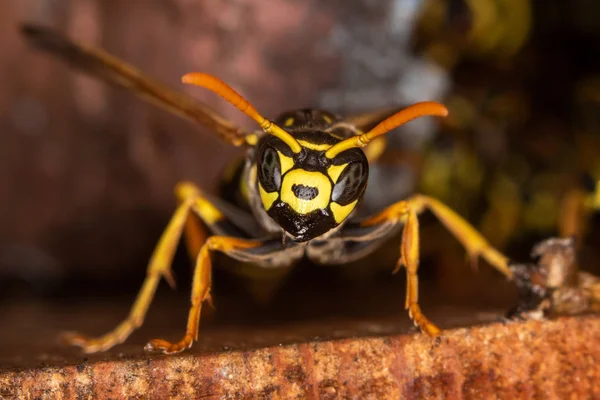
x=467, y=235
x=200, y=290
x=159, y=266
x=475, y=244
x=191, y=199
x=194, y=232
x=409, y=256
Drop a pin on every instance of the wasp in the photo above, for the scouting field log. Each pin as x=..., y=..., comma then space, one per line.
x=302, y=180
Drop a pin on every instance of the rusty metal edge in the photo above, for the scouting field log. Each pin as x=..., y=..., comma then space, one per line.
x=532, y=359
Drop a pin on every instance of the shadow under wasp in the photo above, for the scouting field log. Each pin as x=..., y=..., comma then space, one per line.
x=303, y=177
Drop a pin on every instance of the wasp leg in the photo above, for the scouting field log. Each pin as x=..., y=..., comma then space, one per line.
x=191, y=199
x=406, y=212
x=194, y=231
x=159, y=266
x=475, y=244
x=201, y=289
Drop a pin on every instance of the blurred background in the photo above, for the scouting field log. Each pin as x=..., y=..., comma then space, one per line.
x=87, y=170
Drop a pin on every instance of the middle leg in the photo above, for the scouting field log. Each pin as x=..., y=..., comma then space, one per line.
x=269, y=252
x=201, y=290
x=405, y=212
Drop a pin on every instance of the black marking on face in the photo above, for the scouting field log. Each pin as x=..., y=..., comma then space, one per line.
x=351, y=184
x=302, y=227
x=305, y=192
x=311, y=160
x=269, y=171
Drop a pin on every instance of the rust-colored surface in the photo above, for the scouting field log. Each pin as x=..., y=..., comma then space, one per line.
x=354, y=359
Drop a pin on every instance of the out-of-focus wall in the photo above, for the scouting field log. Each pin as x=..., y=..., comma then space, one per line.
x=87, y=171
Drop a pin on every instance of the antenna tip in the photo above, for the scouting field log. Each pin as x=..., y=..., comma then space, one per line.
x=444, y=112
x=435, y=108
x=193, y=77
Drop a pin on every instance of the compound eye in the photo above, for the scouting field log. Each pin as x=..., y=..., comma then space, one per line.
x=350, y=184
x=269, y=170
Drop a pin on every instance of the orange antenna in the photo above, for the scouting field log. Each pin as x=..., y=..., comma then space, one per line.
x=225, y=91
x=401, y=117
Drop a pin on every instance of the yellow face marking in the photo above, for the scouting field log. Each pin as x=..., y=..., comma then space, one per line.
x=307, y=178
x=289, y=122
x=340, y=212
x=326, y=119
x=314, y=146
x=286, y=162
x=335, y=171
x=267, y=198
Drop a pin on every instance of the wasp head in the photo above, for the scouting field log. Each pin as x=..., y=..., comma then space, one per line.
x=307, y=193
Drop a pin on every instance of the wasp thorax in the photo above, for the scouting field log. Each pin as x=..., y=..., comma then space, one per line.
x=306, y=193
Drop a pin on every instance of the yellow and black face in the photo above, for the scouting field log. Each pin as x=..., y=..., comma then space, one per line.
x=309, y=179
x=306, y=193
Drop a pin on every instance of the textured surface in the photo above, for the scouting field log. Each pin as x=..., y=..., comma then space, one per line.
x=368, y=359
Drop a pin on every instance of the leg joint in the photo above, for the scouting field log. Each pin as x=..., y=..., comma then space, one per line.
x=186, y=190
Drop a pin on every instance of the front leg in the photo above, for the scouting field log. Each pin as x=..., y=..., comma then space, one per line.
x=193, y=204
x=201, y=290
x=268, y=253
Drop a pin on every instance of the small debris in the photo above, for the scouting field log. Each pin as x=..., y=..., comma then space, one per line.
x=554, y=285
